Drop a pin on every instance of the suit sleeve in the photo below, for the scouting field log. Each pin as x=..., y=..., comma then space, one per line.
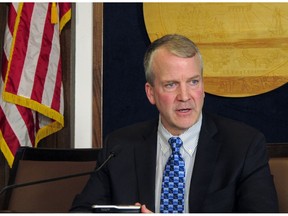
x=256, y=191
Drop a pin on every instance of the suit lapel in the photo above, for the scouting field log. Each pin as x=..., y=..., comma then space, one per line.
x=207, y=151
x=145, y=156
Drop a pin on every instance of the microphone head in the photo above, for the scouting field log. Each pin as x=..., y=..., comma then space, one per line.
x=116, y=150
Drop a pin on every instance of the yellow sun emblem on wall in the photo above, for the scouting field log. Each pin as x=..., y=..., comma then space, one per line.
x=244, y=45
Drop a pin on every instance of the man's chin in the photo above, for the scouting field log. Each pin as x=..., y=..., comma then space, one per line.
x=181, y=128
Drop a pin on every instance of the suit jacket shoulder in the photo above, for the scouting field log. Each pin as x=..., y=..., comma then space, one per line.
x=135, y=131
x=231, y=171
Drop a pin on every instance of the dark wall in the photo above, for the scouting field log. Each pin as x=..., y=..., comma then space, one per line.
x=125, y=41
x=124, y=99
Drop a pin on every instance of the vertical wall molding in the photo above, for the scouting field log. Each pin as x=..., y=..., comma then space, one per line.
x=97, y=110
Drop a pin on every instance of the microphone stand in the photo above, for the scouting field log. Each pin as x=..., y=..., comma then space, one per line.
x=8, y=187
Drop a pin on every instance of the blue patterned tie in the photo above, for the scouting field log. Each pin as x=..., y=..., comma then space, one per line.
x=173, y=184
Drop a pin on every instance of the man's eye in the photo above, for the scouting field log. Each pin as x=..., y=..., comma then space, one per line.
x=194, y=82
x=170, y=85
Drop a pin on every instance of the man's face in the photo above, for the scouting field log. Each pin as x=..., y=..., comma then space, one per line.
x=178, y=90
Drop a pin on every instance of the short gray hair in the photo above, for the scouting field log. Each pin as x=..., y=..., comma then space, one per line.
x=179, y=45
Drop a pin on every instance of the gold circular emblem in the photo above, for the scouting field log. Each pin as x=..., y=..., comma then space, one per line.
x=244, y=45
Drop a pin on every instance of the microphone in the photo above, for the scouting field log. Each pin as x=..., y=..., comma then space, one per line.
x=111, y=155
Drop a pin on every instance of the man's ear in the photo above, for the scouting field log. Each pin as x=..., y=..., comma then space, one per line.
x=150, y=93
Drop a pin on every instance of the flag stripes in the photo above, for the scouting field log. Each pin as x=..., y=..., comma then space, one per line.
x=31, y=106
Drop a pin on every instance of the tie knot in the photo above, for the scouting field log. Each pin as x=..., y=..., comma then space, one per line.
x=175, y=143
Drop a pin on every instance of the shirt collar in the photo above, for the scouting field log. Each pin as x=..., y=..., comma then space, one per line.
x=189, y=137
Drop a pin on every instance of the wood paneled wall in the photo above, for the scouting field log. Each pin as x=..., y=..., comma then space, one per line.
x=4, y=169
x=97, y=74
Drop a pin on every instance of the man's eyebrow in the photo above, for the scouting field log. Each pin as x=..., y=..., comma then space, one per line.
x=196, y=76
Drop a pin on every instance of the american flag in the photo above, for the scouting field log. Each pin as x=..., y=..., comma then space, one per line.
x=31, y=102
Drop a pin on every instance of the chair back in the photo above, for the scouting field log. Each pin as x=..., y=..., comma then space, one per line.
x=279, y=169
x=34, y=164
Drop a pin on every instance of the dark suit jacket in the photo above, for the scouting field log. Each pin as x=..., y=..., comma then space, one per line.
x=231, y=171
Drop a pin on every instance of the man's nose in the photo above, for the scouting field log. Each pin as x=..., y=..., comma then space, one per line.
x=183, y=93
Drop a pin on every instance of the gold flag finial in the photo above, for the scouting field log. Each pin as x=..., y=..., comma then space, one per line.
x=54, y=14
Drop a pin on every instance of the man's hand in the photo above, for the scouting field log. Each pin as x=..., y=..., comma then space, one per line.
x=143, y=208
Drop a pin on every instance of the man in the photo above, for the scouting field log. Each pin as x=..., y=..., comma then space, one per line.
x=220, y=166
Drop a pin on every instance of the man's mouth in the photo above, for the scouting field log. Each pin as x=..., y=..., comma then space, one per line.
x=183, y=110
